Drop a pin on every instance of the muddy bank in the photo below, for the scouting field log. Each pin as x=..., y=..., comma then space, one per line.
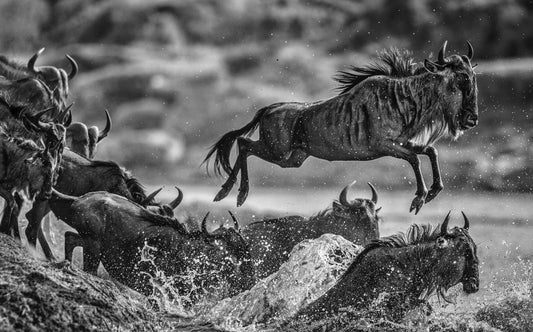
x=39, y=296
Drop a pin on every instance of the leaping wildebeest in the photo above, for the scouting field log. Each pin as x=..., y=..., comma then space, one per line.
x=389, y=108
x=118, y=230
x=271, y=241
x=408, y=267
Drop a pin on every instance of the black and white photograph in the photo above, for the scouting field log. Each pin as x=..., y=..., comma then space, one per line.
x=266, y=165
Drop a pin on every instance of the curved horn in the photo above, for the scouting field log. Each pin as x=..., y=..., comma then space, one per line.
x=444, y=226
x=374, y=193
x=470, y=50
x=442, y=53
x=62, y=116
x=174, y=204
x=204, y=226
x=150, y=197
x=107, y=128
x=235, y=221
x=68, y=120
x=36, y=119
x=379, y=209
x=467, y=222
x=74, y=67
x=33, y=59
x=344, y=193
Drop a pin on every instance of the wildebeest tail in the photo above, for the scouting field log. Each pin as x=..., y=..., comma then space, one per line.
x=222, y=148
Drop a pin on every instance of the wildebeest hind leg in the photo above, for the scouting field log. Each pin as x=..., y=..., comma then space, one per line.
x=230, y=182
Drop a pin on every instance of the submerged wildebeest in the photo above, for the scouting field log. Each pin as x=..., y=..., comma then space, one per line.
x=408, y=267
x=83, y=140
x=118, y=231
x=55, y=79
x=389, y=108
x=272, y=240
x=77, y=176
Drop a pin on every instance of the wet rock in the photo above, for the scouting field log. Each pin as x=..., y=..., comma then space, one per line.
x=313, y=267
x=37, y=296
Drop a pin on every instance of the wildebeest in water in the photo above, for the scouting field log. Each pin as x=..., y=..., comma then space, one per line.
x=78, y=176
x=271, y=241
x=117, y=229
x=391, y=108
x=409, y=267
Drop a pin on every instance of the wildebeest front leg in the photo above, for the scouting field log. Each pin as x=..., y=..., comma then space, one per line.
x=432, y=154
x=91, y=255
x=401, y=152
x=72, y=240
x=8, y=209
x=35, y=215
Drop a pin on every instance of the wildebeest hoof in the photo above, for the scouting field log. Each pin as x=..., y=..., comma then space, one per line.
x=222, y=194
x=241, y=198
x=433, y=192
x=416, y=205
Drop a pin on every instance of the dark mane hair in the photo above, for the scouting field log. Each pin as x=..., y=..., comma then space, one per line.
x=12, y=70
x=416, y=234
x=160, y=220
x=390, y=62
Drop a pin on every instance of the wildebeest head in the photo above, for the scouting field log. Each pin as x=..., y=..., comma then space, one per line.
x=461, y=84
x=458, y=256
x=83, y=140
x=42, y=172
x=361, y=211
x=53, y=133
x=57, y=79
x=159, y=208
x=231, y=240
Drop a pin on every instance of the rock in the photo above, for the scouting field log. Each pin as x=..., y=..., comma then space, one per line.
x=37, y=296
x=313, y=267
x=511, y=314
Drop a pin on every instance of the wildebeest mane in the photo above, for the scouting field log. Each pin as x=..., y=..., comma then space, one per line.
x=12, y=70
x=160, y=220
x=391, y=62
x=415, y=235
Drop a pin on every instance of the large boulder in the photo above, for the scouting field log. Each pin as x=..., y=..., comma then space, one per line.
x=314, y=266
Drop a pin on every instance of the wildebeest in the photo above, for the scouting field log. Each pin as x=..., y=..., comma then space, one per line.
x=24, y=167
x=389, y=108
x=73, y=240
x=49, y=139
x=119, y=229
x=408, y=267
x=272, y=240
x=83, y=140
x=77, y=176
x=56, y=79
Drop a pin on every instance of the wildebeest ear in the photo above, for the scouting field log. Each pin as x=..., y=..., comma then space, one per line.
x=338, y=206
x=433, y=67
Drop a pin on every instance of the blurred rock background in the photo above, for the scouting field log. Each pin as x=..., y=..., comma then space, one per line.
x=177, y=74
